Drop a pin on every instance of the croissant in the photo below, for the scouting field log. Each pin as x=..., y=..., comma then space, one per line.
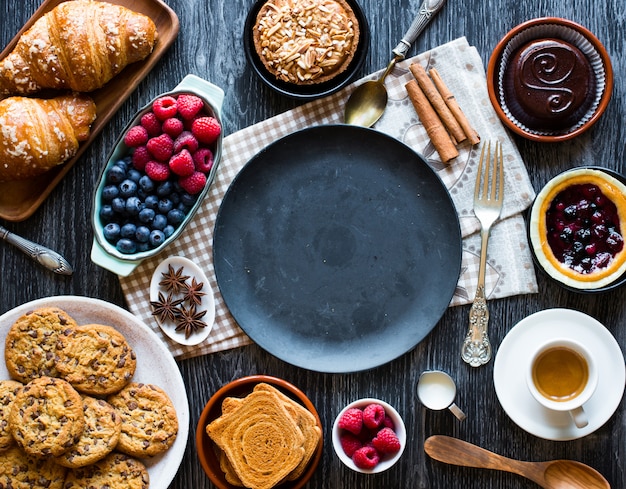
x=39, y=134
x=79, y=45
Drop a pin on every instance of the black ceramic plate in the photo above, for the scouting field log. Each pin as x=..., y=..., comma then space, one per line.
x=337, y=248
x=619, y=282
x=306, y=92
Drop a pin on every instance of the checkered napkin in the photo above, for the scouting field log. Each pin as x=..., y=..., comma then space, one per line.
x=509, y=266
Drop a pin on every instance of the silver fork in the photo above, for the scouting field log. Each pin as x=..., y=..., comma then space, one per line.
x=488, y=197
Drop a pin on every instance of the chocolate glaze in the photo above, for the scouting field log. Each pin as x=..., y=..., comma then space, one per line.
x=549, y=85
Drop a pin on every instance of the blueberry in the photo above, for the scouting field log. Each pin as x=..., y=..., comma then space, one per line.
x=106, y=212
x=128, y=188
x=151, y=201
x=128, y=230
x=143, y=246
x=146, y=215
x=188, y=199
x=116, y=174
x=134, y=175
x=159, y=222
x=109, y=192
x=165, y=205
x=126, y=246
x=124, y=163
x=156, y=238
x=175, y=217
x=175, y=198
x=142, y=234
x=168, y=230
x=133, y=206
x=165, y=189
x=119, y=205
x=111, y=232
x=146, y=184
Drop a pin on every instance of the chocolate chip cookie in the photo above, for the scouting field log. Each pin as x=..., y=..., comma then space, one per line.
x=102, y=432
x=149, y=422
x=19, y=470
x=115, y=470
x=96, y=359
x=31, y=343
x=47, y=417
x=8, y=391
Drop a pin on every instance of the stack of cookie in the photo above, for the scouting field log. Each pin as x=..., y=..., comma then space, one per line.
x=264, y=438
x=71, y=416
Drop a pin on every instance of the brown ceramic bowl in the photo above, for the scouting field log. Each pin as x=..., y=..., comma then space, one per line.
x=213, y=409
x=550, y=28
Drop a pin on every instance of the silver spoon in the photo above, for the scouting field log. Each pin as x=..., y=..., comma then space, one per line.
x=368, y=101
x=44, y=256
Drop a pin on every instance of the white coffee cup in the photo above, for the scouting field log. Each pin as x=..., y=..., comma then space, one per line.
x=563, y=376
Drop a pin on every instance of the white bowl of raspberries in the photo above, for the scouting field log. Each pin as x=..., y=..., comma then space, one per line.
x=157, y=175
x=369, y=436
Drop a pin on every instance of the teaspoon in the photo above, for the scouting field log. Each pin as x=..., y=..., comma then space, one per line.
x=42, y=255
x=555, y=474
x=368, y=101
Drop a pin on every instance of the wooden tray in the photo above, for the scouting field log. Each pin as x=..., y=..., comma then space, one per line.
x=18, y=200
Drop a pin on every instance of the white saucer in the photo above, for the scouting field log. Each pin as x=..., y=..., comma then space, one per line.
x=208, y=301
x=510, y=373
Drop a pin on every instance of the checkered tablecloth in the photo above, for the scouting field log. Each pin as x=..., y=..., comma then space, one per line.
x=509, y=269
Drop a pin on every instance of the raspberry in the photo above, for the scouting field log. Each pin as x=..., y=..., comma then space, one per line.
x=172, y=126
x=182, y=163
x=151, y=123
x=186, y=140
x=388, y=423
x=366, y=457
x=136, y=136
x=386, y=441
x=193, y=183
x=157, y=171
x=164, y=107
x=140, y=157
x=352, y=421
x=189, y=105
x=373, y=416
x=206, y=129
x=350, y=443
x=203, y=158
x=161, y=147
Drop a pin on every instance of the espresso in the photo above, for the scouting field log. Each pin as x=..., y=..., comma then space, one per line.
x=560, y=374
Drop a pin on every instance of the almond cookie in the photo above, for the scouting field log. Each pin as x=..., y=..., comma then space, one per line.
x=31, y=343
x=19, y=470
x=96, y=359
x=102, y=432
x=115, y=470
x=47, y=417
x=8, y=391
x=149, y=422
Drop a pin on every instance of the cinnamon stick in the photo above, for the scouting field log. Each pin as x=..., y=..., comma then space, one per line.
x=438, y=103
x=429, y=118
x=452, y=104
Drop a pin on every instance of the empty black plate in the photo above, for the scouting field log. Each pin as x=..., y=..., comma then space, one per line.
x=337, y=248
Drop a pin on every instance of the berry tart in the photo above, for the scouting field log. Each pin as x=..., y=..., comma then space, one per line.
x=577, y=227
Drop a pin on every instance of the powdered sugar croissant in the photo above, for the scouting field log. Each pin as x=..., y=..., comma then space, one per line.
x=79, y=45
x=38, y=134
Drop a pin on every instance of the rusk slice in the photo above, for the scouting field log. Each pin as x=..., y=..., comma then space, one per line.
x=261, y=440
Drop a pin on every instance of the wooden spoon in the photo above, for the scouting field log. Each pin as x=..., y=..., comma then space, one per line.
x=556, y=474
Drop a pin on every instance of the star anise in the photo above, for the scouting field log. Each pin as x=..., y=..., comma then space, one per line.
x=173, y=280
x=193, y=292
x=165, y=307
x=189, y=320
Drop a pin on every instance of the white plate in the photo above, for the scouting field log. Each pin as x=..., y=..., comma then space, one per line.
x=155, y=365
x=514, y=354
x=208, y=301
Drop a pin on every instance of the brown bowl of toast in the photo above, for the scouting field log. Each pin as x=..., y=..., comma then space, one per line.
x=248, y=415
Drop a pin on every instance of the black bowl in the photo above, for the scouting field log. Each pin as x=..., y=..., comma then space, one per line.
x=306, y=92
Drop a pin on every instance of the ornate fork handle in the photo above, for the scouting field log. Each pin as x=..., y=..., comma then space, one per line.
x=425, y=13
x=476, y=348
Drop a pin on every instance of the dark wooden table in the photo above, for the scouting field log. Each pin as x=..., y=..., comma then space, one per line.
x=210, y=45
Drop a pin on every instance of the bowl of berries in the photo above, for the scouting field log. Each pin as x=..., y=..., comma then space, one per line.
x=369, y=436
x=157, y=175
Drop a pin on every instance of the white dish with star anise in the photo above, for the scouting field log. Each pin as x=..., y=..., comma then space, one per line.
x=181, y=300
